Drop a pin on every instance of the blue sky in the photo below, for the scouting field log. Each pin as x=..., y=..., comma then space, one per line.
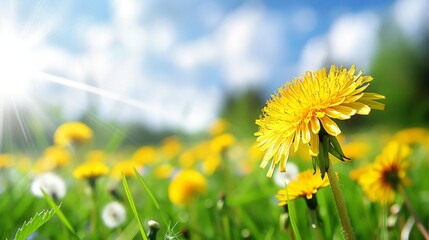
x=171, y=63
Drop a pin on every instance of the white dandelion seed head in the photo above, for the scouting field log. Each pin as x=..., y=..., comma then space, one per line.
x=113, y=214
x=282, y=178
x=51, y=183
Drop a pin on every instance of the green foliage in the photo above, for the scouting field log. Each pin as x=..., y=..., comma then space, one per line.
x=33, y=224
x=133, y=206
x=59, y=213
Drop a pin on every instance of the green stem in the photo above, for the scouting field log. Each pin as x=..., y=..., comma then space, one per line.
x=340, y=203
x=226, y=226
x=420, y=226
x=384, y=232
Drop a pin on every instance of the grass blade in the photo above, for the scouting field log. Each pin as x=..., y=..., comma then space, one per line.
x=59, y=214
x=292, y=216
x=152, y=197
x=130, y=231
x=133, y=206
x=33, y=224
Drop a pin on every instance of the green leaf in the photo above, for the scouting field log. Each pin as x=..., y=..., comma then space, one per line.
x=60, y=214
x=33, y=224
x=133, y=206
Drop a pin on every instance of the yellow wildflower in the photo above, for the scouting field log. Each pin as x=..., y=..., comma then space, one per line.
x=305, y=185
x=188, y=158
x=88, y=170
x=218, y=127
x=71, y=132
x=219, y=143
x=124, y=167
x=211, y=163
x=411, y=136
x=171, y=147
x=386, y=174
x=56, y=156
x=185, y=186
x=164, y=171
x=145, y=155
x=306, y=106
x=5, y=160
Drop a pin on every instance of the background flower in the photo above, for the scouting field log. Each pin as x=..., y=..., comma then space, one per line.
x=185, y=186
x=113, y=214
x=51, y=183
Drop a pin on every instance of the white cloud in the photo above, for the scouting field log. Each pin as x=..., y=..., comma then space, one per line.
x=352, y=39
x=314, y=54
x=243, y=48
x=412, y=18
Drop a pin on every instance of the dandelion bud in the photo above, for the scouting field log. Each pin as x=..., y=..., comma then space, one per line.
x=221, y=202
x=153, y=229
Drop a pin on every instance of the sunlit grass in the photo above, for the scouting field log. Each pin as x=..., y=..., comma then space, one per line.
x=239, y=202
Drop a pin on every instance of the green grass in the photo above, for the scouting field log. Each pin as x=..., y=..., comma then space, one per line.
x=250, y=209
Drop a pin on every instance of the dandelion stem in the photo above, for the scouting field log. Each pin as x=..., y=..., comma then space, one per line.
x=226, y=226
x=420, y=226
x=340, y=203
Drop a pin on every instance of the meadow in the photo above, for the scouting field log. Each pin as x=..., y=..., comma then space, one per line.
x=207, y=186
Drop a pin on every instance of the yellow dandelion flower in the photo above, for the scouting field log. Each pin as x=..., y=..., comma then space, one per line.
x=386, y=174
x=357, y=173
x=124, y=167
x=185, y=186
x=218, y=127
x=411, y=136
x=219, y=143
x=306, y=106
x=56, y=156
x=88, y=170
x=188, y=158
x=211, y=163
x=163, y=171
x=359, y=149
x=71, y=132
x=171, y=147
x=305, y=185
x=5, y=160
x=145, y=155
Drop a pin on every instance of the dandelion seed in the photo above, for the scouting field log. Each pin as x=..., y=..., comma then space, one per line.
x=113, y=214
x=51, y=183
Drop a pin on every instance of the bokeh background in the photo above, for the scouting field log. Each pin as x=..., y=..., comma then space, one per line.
x=154, y=68
x=158, y=75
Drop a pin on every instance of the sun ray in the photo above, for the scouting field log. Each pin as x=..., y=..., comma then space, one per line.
x=101, y=92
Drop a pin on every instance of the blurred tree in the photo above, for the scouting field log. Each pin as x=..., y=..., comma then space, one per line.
x=241, y=110
x=401, y=70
